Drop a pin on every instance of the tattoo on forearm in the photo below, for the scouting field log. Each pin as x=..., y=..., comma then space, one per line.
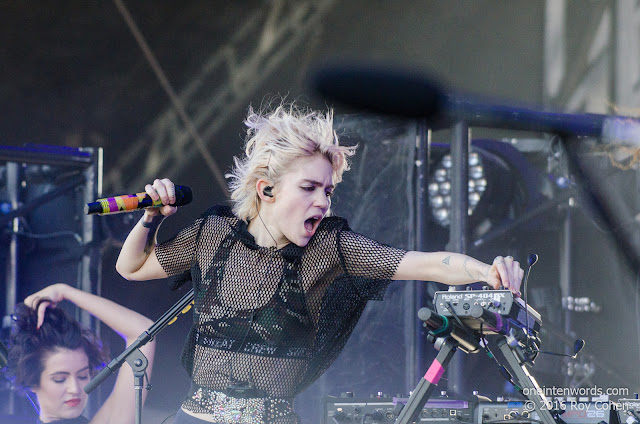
x=446, y=260
x=151, y=235
x=464, y=265
x=151, y=241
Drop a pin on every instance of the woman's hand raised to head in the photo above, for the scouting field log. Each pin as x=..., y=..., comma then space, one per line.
x=52, y=295
x=165, y=191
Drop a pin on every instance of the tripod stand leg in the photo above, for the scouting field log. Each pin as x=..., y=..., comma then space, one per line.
x=527, y=383
x=428, y=383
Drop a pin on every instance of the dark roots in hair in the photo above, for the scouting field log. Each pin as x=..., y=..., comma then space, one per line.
x=29, y=346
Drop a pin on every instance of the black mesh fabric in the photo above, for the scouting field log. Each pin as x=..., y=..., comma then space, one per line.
x=272, y=319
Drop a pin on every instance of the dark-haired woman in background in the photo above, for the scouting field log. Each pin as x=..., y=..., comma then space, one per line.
x=53, y=356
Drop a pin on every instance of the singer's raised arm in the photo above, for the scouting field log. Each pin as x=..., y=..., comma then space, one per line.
x=137, y=259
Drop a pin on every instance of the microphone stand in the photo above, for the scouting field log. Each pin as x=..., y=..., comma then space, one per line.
x=135, y=358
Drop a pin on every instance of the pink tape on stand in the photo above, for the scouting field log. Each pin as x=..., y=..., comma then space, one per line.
x=434, y=373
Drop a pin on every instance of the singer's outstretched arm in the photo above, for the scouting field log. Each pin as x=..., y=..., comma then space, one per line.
x=137, y=259
x=457, y=269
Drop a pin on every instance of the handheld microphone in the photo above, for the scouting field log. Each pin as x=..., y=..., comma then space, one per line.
x=134, y=202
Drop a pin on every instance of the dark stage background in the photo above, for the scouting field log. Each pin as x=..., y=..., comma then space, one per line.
x=73, y=75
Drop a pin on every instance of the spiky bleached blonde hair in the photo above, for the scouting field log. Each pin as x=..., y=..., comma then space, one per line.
x=274, y=140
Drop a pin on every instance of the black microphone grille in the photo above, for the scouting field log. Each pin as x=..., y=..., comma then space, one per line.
x=184, y=195
x=533, y=258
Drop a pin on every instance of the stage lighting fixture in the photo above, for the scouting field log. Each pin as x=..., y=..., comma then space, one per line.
x=501, y=184
x=440, y=187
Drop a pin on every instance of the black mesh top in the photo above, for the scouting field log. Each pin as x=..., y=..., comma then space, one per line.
x=273, y=318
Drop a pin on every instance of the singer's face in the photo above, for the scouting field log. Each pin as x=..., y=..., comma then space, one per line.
x=60, y=392
x=302, y=198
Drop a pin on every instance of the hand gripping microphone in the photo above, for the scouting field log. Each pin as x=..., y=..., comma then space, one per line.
x=134, y=202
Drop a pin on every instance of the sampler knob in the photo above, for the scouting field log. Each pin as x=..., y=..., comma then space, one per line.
x=339, y=416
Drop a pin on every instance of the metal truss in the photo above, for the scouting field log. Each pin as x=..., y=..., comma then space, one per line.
x=578, y=76
x=601, y=69
x=223, y=84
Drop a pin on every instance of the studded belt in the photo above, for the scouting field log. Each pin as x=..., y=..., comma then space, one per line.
x=239, y=410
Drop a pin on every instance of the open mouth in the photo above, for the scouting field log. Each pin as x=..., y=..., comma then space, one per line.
x=312, y=223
